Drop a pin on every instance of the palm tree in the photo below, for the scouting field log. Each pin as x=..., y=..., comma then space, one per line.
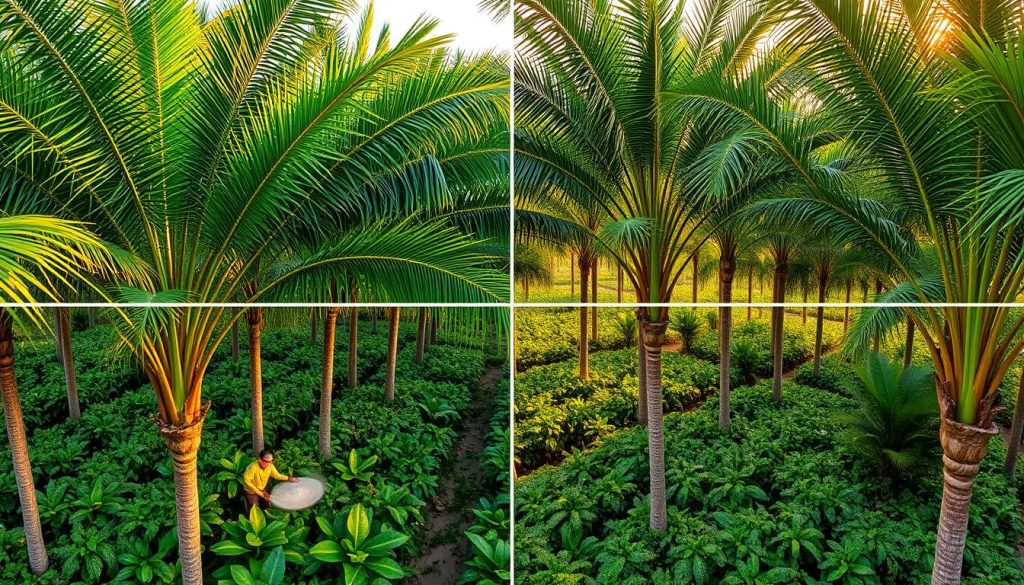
x=37, y=255
x=595, y=125
x=270, y=122
x=254, y=322
x=353, y=346
x=395, y=318
x=531, y=268
x=67, y=359
x=924, y=93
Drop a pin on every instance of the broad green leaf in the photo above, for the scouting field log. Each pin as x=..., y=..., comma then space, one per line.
x=273, y=567
x=327, y=551
x=384, y=542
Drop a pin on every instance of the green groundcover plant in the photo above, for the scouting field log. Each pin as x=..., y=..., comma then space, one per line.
x=557, y=412
x=778, y=498
x=105, y=486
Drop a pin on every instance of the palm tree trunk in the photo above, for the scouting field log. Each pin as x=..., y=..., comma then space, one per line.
x=963, y=448
x=526, y=289
x=67, y=358
x=641, y=380
x=92, y=317
x=373, y=321
x=1016, y=430
x=593, y=295
x=353, y=347
x=254, y=318
x=234, y=341
x=183, y=442
x=421, y=335
x=653, y=335
x=696, y=272
x=846, y=311
x=327, y=381
x=908, y=348
x=584, y=348
x=389, y=384
x=726, y=271
x=778, y=313
x=433, y=331
x=750, y=293
x=820, y=323
x=618, y=283
x=38, y=561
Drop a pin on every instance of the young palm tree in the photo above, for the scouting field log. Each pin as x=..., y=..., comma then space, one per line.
x=595, y=125
x=929, y=96
x=208, y=148
x=38, y=256
x=395, y=319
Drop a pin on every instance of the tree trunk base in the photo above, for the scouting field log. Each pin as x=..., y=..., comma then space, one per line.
x=653, y=335
x=183, y=443
x=963, y=448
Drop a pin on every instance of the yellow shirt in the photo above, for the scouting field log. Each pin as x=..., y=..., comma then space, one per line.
x=255, y=479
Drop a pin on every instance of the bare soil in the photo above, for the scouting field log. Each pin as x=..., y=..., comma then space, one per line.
x=445, y=549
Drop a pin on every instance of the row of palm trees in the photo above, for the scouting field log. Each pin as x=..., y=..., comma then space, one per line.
x=285, y=150
x=882, y=129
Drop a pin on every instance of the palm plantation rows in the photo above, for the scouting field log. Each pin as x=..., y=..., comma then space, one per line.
x=825, y=146
x=166, y=159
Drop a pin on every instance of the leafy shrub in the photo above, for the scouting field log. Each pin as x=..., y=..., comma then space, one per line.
x=546, y=336
x=686, y=324
x=780, y=496
x=556, y=411
x=895, y=422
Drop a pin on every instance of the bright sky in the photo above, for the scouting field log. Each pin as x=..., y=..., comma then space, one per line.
x=475, y=30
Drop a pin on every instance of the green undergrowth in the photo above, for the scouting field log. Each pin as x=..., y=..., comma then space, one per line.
x=104, y=482
x=557, y=412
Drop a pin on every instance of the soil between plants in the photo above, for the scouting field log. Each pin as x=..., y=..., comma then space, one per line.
x=445, y=551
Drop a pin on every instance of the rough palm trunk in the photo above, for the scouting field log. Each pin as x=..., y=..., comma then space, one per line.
x=389, y=384
x=92, y=317
x=433, y=331
x=653, y=335
x=183, y=443
x=67, y=359
x=641, y=380
x=421, y=335
x=327, y=381
x=526, y=289
x=778, y=313
x=846, y=311
x=819, y=324
x=760, y=282
x=1016, y=430
x=353, y=347
x=726, y=272
x=38, y=561
x=254, y=318
x=963, y=448
x=584, y=342
x=908, y=348
x=696, y=273
x=593, y=296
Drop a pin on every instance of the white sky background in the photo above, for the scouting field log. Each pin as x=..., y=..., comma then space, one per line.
x=475, y=30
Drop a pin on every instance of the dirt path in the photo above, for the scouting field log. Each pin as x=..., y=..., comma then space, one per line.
x=450, y=513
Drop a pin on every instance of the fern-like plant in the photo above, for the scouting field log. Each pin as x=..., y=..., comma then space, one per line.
x=894, y=422
x=686, y=324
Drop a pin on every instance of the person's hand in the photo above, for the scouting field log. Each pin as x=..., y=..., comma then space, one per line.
x=266, y=495
x=293, y=479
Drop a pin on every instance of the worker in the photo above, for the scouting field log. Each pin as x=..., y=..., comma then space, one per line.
x=255, y=480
